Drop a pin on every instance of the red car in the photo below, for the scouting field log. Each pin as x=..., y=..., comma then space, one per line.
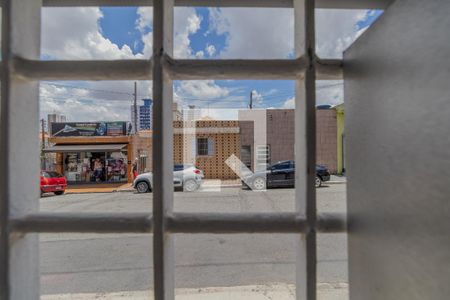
x=53, y=182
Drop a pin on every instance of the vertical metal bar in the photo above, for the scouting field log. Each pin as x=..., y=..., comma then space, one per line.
x=163, y=248
x=305, y=149
x=19, y=150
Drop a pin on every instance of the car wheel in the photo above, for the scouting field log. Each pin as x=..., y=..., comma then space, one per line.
x=142, y=187
x=259, y=184
x=58, y=193
x=318, y=182
x=190, y=185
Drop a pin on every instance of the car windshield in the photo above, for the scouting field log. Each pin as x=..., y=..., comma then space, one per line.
x=181, y=167
x=51, y=174
x=178, y=167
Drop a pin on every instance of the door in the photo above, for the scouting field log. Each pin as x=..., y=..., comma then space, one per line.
x=278, y=174
x=290, y=175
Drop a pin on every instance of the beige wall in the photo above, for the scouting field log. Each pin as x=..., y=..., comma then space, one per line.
x=280, y=132
x=326, y=138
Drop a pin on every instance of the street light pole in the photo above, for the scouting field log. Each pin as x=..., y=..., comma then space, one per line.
x=135, y=108
x=42, y=144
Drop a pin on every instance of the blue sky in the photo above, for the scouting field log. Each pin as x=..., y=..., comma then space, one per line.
x=274, y=93
x=203, y=33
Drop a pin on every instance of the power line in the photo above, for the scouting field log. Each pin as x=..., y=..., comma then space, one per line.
x=92, y=89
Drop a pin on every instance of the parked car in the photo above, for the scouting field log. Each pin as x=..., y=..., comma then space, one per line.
x=53, y=182
x=281, y=174
x=186, y=176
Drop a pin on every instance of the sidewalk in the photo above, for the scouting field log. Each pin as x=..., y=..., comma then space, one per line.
x=325, y=291
x=336, y=179
x=98, y=188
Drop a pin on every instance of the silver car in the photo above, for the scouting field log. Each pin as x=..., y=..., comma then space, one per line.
x=186, y=176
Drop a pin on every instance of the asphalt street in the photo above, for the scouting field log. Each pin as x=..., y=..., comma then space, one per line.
x=82, y=263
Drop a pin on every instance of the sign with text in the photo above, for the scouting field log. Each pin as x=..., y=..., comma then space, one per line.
x=89, y=129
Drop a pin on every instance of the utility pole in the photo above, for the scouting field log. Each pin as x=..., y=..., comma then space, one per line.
x=42, y=144
x=135, y=108
x=251, y=100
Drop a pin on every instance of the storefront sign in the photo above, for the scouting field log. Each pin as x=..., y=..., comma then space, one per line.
x=89, y=129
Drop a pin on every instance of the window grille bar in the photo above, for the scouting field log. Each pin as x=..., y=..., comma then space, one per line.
x=178, y=69
x=163, y=243
x=305, y=149
x=19, y=257
x=329, y=69
x=310, y=98
x=131, y=69
x=176, y=223
x=349, y=4
x=194, y=69
x=86, y=222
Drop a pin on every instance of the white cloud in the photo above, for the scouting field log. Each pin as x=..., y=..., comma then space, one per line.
x=91, y=101
x=268, y=32
x=145, y=21
x=199, y=54
x=187, y=22
x=327, y=92
x=289, y=103
x=74, y=33
x=257, y=97
x=220, y=114
x=210, y=49
x=337, y=30
x=254, y=33
x=201, y=89
x=144, y=24
x=76, y=105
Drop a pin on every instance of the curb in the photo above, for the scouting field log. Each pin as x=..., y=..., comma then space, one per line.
x=335, y=182
x=249, y=292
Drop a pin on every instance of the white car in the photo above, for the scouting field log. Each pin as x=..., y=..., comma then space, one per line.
x=186, y=176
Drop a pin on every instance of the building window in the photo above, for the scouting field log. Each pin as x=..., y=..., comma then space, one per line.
x=205, y=146
x=262, y=156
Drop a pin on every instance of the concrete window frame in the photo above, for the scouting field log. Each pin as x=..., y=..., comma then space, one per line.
x=21, y=71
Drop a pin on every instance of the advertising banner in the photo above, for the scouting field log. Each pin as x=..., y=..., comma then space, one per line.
x=89, y=129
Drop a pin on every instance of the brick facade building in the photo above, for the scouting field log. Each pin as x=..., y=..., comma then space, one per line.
x=205, y=143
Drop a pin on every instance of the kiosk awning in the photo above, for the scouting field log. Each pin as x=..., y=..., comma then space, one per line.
x=81, y=148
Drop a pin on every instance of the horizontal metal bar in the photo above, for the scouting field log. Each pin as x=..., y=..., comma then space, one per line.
x=353, y=4
x=74, y=222
x=179, y=69
x=253, y=223
x=348, y=4
x=204, y=3
x=329, y=69
x=275, y=69
x=178, y=223
x=82, y=69
x=237, y=223
x=195, y=69
x=331, y=223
